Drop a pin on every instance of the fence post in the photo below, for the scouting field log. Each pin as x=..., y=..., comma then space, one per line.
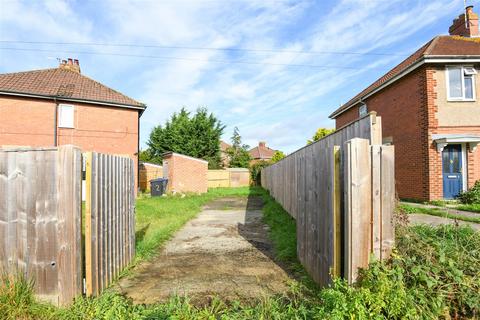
x=357, y=207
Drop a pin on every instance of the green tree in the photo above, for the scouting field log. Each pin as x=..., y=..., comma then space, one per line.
x=319, y=134
x=256, y=170
x=238, y=152
x=195, y=135
x=146, y=156
x=277, y=156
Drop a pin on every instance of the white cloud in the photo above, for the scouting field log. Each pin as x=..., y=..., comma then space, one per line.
x=280, y=104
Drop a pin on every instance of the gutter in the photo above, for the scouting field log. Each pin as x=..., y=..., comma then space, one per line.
x=59, y=98
x=412, y=67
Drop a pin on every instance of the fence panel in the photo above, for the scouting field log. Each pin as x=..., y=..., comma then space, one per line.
x=109, y=219
x=338, y=193
x=218, y=178
x=40, y=219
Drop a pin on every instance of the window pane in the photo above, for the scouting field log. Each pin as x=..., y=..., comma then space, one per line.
x=66, y=114
x=446, y=161
x=363, y=110
x=455, y=161
x=455, y=82
x=468, y=87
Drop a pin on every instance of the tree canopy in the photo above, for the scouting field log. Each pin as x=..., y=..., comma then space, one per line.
x=238, y=152
x=277, y=156
x=196, y=135
x=320, y=133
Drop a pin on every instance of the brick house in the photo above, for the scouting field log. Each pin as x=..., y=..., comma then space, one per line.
x=61, y=106
x=430, y=111
x=261, y=152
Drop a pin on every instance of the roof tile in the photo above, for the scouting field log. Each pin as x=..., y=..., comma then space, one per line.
x=438, y=46
x=59, y=82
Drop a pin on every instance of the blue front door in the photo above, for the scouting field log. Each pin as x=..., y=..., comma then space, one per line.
x=452, y=170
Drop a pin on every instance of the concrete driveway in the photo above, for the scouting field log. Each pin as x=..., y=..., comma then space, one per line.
x=224, y=251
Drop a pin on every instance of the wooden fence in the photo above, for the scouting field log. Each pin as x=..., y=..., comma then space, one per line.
x=40, y=219
x=146, y=172
x=339, y=190
x=109, y=219
x=229, y=178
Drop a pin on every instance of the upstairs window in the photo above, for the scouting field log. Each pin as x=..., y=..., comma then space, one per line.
x=66, y=114
x=362, y=110
x=461, y=83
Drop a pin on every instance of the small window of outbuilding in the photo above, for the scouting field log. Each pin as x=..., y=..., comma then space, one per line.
x=66, y=115
x=362, y=110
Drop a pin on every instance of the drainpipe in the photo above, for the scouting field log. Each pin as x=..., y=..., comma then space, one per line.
x=55, y=122
x=138, y=151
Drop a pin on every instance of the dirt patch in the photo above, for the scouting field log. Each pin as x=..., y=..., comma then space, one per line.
x=223, y=253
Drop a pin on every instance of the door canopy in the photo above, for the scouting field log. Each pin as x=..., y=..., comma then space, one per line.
x=442, y=140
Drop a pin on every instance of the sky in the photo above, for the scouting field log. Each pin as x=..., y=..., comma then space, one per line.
x=273, y=68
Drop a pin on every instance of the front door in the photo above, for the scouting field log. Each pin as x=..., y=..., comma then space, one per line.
x=452, y=170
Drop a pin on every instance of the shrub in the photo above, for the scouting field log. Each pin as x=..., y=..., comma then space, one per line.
x=472, y=195
x=255, y=171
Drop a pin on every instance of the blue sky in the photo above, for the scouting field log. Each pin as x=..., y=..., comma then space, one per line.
x=287, y=64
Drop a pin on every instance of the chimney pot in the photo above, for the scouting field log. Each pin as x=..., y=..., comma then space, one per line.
x=70, y=64
x=262, y=144
x=466, y=25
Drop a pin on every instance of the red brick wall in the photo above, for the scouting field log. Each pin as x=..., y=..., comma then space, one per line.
x=345, y=118
x=185, y=174
x=409, y=114
x=401, y=106
x=31, y=122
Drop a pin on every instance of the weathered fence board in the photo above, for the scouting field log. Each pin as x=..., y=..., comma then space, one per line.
x=341, y=195
x=109, y=219
x=40, y=219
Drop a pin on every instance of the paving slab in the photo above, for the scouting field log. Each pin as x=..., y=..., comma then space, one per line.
x=436, y=221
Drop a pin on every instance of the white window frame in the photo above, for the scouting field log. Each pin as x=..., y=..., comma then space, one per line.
x=61, y=123
x=363, y=107
x=474, y=84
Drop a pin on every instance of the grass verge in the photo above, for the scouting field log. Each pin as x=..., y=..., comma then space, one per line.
x=433, y=274
x=469, y=207
x=437, y=212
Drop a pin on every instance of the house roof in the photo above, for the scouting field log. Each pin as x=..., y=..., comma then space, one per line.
x=261, y=152
x=224, y=146
x=63, y=84
x=438, y=47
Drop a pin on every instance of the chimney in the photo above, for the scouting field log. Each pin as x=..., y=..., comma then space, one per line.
x=262, y=144
x=70, y=64
x=466, y=25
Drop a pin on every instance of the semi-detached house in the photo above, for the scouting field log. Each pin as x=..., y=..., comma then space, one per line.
x=430, y=111
x=59, y=106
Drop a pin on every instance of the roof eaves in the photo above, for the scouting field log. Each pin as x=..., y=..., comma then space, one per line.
x=140, y=106
x=426, y=57
x=406, y=71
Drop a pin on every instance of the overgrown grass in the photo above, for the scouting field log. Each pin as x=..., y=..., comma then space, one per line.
x=437, y=212
x=433, y=274
x=475, y=207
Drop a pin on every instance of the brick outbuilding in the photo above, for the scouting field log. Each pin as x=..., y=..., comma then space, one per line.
x=430, y=111
x=59, y=106
x=184, y=173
